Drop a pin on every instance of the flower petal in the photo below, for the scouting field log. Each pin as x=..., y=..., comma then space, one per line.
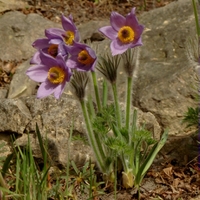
x=52, y=33
x=118, y=48
x=132, y=21
x=41, y=43
x=72, y=62
x=48, y=60
x=109, y=32
x=36, y=58
x=45, y=89
x=137, y=43
x=68, y=24
x=59, y=90
x=138, y=31
x=37, y=73
x=117, y=20
x=56, y=41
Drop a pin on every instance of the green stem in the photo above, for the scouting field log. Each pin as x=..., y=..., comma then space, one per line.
x=93, y=140
x=128, y=101
x=105, y=93
x=94, y=78
x=91, y=110
x=118, y=112
x=196, y=17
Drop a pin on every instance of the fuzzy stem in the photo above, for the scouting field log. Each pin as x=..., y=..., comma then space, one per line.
x=93, y=140
x=105, y=93
x=128, y=101
x=94, y=78
x=118, y=113
x=196, y=17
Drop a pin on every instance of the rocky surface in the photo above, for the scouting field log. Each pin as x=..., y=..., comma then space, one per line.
x=163, y=86
x=162, y=90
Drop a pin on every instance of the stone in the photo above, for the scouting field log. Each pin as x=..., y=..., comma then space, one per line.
x=18, y=31
x=161, y=92
x=21, y=85
x=6, y=5
x=14, y=116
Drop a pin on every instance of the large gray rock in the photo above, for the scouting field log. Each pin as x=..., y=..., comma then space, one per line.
x=7, y=5
x=18, y=32
x=165, y=77
x=162, y=90
x=55, y=119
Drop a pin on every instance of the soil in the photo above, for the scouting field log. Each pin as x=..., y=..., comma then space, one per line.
x=167, y=179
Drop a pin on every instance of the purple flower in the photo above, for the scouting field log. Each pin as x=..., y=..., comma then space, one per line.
x=125, y=32
x=52, y=73
x=68, y=35
x=82, y=58
x=45, y=45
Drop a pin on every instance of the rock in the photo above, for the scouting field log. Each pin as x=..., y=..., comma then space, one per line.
x=162, y=92
x=3, y=93
x=165, y=78
x=6, y=5
x=14, y=116
x=55, y=119
x=18, y=32
x=21, y=85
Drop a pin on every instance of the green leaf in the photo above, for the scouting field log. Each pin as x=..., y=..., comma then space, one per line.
x=151, y=156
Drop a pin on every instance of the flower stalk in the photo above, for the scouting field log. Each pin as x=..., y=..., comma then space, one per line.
x=93, y=140
x=128, y=101
x=94, y=78
x=116, y=102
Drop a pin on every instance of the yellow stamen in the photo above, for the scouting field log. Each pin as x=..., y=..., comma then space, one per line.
x=56, y=75
x=85, y=58
x=69, y=37
x=126, y=34
x=53, y=50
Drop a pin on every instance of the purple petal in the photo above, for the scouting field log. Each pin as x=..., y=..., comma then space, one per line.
x=138, y=31
x=59, y=90
x=48, y=60
x=93, y=65
x=117, y=20
x=137, y=43
x=109, y=32
x=38, y=73
x=77, y=36
x=45, y=89
x=56, y=41
x=72, y=62
x=41, y=43
x=74, y=50
x=91, y=52
x=68, y=24
x=133, y=11
x=118, y=48
x=132, y=21
x=36, y=58
x=52, y=33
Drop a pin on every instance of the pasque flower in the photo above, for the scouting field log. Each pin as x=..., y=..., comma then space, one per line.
x=68, y=35
x=52, y=73
x=125, y=32
x=45, y=45
x=82, y=58
x=48, y=47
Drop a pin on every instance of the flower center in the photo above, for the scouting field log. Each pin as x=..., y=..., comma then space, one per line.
x=126, y=34
x=85, y=58
x=69, y=37
x=56, y=75
x=53, y=50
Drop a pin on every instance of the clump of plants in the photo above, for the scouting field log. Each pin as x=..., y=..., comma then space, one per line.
x=123, y=150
